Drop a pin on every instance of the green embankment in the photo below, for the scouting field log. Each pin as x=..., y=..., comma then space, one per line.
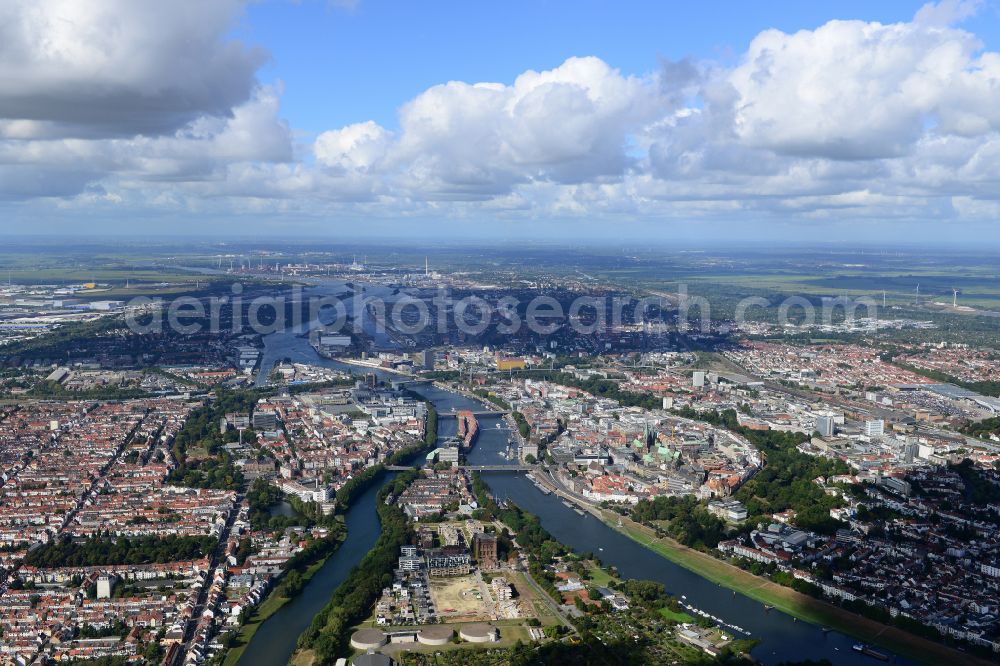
x=789, y=601
x=271, y=605
x=669, y=614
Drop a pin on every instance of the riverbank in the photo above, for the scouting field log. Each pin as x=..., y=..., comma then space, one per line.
x=786, y=640
x=328, y=633
x=271, y=605
x=787, y=600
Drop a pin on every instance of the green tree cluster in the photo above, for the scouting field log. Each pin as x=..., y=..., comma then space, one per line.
x=983, y=428
x=202, y=430
x=684, y=519
x=101, y=550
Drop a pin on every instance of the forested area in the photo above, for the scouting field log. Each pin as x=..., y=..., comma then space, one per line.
x=260, y=498
x=787, y=481
x=100, y=551
x=684, y=519
x=202, y=430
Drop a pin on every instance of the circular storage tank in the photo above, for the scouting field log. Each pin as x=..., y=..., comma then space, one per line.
x=435, y=635
x=368, y=639
x=478, y=633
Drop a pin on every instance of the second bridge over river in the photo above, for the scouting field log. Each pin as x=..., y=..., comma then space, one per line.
x=472, y=468
x=452, y=415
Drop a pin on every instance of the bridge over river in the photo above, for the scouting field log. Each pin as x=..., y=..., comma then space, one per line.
x=472, y=468
x=451, y=415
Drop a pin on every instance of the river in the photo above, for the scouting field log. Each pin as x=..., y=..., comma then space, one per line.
x=275, y=640
x=782, y=638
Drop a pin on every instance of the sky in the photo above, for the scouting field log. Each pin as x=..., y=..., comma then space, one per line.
x=589, y=119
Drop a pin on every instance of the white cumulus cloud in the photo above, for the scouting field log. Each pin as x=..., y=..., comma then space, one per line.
x=135, y=104
x=569, y=124
x=358, y=146
x=119, y=67
x=855, y=90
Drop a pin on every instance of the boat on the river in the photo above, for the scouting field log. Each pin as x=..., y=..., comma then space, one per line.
x=867, y=650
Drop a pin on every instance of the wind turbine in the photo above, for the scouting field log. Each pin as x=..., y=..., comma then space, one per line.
x=954, y=298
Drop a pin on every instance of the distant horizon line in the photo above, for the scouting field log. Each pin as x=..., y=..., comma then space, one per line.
x=436, y=243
